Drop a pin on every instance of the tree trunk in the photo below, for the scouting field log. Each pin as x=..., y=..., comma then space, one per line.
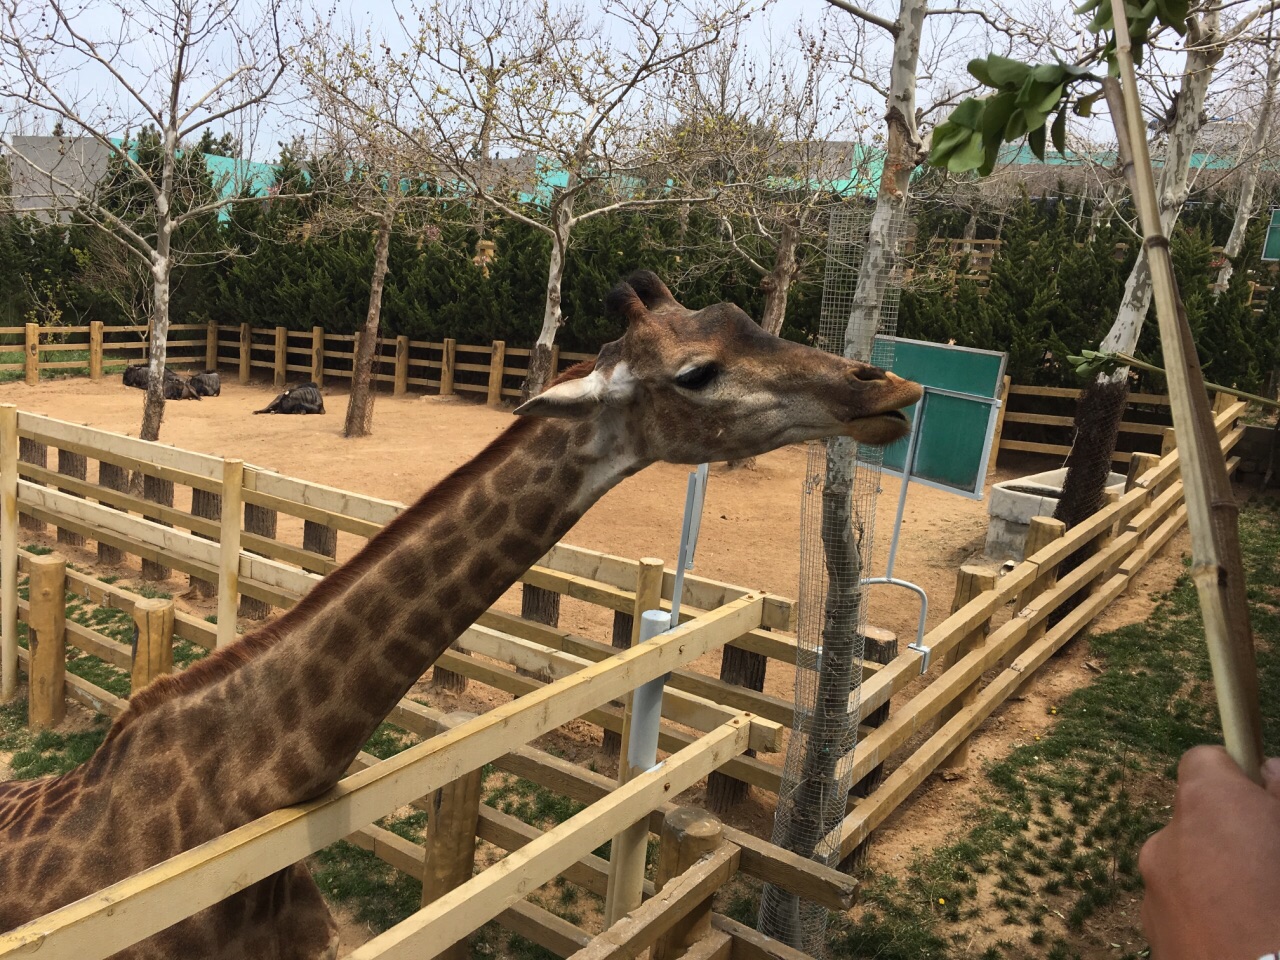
x=262, y=521
x=157, y=491
x=1252, y=169
x=1101, y=406
x=814, y=813
x=777, y=285
x=743, y=669
x=161, y=266
x=206, y=504
x=540, y=372
x=113, y=478
x=359, y=421
x=71, y=465
x=36, y=454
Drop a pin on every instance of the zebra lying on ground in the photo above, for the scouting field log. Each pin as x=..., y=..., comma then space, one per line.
x=175, y=387
x=301, y=399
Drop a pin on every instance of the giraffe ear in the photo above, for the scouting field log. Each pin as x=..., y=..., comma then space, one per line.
x=653, y=293
x=570, y=400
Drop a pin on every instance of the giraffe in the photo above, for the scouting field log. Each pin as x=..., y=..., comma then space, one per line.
x=276, y=718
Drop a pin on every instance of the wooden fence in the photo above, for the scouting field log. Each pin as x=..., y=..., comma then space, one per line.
x=998, y=634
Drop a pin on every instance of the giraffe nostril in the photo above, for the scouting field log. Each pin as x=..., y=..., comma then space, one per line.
x=868, y=372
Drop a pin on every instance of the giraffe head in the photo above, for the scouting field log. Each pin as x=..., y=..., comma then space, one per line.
x=694, y=385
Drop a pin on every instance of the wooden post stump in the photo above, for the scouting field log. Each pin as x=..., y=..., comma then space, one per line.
x=38, y=454
x=626, y=628
x=970, y=581
x=206, y=504
x=116, y=478
x=31, y=354
x=152, y=641
x=448, y=362
x=278, y=372
x=46, y=642
x=747, y=670
x=497, y=360
x=261, y=521
x=246, y=352
x=75, y=466
x=95, y=349
x=401, y=384
x=453, y=812
x=688, y=834
x=318, y=538
x=541, y=606
x=317, y=356
x=157, y=491
x=211, y=347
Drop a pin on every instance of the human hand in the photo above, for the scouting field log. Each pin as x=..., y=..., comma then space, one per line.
x=1213, y=874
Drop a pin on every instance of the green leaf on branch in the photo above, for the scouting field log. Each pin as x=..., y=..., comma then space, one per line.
x=1059, y=131
x=1084, y=106
x=1035, y=139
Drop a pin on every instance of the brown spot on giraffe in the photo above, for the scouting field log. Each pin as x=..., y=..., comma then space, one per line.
x=275, y=718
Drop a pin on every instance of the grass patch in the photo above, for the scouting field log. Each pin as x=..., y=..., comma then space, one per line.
x=1063, y=818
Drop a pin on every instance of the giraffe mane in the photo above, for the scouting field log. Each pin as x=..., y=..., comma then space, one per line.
x=222, y=663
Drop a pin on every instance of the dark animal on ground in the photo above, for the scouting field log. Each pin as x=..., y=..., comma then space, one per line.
x=175, y=387
x=206, y=384
x=303, y=399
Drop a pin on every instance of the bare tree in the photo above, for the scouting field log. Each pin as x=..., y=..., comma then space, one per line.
x=106, y=70
x=378, y=177
x=786, y=144
x=550, y=119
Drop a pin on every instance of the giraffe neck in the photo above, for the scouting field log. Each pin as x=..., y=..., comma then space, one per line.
x=293, y=716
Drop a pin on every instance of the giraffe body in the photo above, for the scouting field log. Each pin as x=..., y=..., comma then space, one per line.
x=276, y=718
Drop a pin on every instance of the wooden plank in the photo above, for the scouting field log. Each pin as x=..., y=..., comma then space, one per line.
x=82, y=691
x=128, y=451
x=186, y=626
x=473, y=904
x=1056, y=449
x=639, y=929
x=133, y=909
x=749, y=944
x=1151, y=429
x=334, y=503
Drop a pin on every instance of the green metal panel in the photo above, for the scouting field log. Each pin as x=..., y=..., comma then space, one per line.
x=952, y=451
x=1271, y=245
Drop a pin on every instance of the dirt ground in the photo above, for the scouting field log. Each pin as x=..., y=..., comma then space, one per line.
x=749, y=535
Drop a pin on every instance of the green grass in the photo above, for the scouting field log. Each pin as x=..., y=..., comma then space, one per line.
x=1063, y=819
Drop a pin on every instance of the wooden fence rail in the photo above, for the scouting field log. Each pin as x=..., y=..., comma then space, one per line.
x=979, y=635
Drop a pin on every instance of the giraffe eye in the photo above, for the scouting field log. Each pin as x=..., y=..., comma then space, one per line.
x=695, y=378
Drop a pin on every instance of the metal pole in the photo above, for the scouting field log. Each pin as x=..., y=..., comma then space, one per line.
x=694, y=495
x=627, y=852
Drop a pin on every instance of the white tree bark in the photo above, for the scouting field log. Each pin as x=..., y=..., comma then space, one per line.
x=1257, y=152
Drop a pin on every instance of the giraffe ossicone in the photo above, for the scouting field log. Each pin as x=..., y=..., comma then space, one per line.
x=277, y=717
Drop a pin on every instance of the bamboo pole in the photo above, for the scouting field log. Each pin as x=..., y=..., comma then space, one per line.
x=1212, y=514
x=8, y=551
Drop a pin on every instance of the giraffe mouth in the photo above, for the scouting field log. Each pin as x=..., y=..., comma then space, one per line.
x=878, y=429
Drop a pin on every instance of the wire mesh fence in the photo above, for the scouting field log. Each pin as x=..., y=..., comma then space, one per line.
x=860, y=295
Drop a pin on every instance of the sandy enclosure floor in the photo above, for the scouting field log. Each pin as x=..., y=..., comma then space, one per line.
x=750, y=536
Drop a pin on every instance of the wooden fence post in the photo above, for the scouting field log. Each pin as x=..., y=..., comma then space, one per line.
x=95, y=349
x=1041, y=532
x=278, y=371
x=318, y=538
x=1139, y=464
x=211, y=347
x=452, y=817
x=37, y=454
x=46, y=642
x=401, y=384
x=208, y=505
x=317, y=356
x=626, y=627
x=688, y=834
x=497, y=360
x=246, y=351
x=744, y=669
x=229, y=550
x=31, y=356
x=115, y=478
x=8, y=551
x=261, y=521
x=970, y=581
x=999, y=431
x=159, y=491
x=448, y=357
x=540, y=606
x=152, y=641
x=75, y=466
